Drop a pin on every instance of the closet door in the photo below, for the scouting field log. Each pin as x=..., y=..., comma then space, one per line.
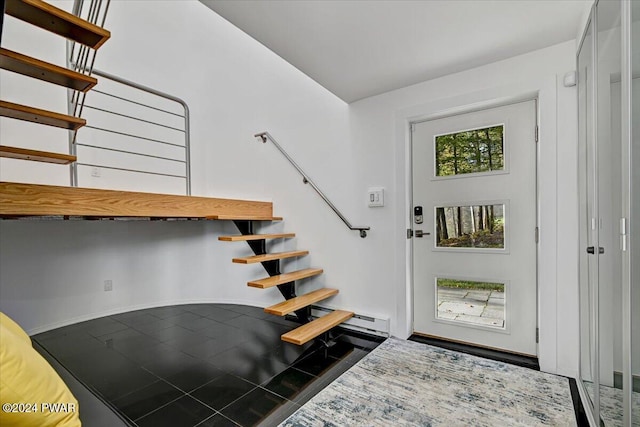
x=633, y=392
x=586, y=167
x=610, y=198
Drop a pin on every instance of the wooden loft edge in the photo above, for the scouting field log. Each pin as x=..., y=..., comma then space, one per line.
x=32, y=67
x=36, y=115
x=17, y=199
x=58, y=21
x=35, y=155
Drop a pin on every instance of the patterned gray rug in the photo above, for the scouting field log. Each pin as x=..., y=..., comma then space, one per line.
x=404, y=383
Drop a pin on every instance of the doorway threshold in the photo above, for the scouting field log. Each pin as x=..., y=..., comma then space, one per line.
x=493, y=354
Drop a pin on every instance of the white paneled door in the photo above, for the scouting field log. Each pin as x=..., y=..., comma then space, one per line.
x=474, y=214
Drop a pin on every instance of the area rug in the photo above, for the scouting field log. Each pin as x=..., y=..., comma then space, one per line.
x=404, y=383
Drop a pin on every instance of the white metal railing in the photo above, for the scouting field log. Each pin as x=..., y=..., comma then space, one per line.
x=128, y=122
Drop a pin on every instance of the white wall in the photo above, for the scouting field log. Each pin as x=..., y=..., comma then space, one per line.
x=235, y=87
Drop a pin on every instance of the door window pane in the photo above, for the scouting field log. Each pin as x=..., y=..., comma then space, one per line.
x=470, y=151
x=479, y=226
x=478, y=303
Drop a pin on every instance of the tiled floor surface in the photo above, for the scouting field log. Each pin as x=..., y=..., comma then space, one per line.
x=201, y=365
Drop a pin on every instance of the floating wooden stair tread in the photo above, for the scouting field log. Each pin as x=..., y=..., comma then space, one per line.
x=269, y=257
x=36, y=115
x=310, y=330
x=293, y=304
x=35, y=155
x=284, y=278
x=244, y=238
x=32, y=67
x=246, y=217
x=58, y=21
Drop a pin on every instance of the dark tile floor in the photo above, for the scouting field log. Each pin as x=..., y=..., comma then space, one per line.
x=201, y=364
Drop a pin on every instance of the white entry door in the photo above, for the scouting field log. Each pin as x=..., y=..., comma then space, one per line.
x=475, y=266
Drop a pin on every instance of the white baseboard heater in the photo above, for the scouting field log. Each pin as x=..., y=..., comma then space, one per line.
x=359, y=322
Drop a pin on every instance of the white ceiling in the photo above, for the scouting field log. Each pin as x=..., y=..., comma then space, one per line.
x=358, y=48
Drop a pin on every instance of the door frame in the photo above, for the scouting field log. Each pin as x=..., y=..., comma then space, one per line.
x=544, y=90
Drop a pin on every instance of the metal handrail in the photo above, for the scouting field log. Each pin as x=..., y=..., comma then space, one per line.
x=264, y=136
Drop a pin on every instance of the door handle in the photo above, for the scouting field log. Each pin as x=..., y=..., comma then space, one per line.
x=592, y=250
x=420, y=233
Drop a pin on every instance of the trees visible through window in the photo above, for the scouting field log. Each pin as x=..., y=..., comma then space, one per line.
x=471, y=151
x=470, y=226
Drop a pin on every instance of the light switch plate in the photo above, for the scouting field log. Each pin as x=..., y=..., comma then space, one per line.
x=375, y=197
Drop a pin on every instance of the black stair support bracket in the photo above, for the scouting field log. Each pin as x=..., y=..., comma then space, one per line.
x=245, y=227
x=259, y=247
x=288, y=290
x=304, y=314
x=272, y=267
x=3, y=7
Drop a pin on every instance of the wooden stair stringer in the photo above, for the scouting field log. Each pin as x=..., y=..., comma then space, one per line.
x=311, y=330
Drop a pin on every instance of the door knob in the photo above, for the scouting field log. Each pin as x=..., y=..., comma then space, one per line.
x=420, y=233
x=592, y=250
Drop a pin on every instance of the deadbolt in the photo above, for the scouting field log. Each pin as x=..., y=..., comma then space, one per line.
x=417, y=215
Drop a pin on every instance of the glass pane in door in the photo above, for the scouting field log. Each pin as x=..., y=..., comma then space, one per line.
x=470, y=151
x=475, y=226
x=471, y=301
